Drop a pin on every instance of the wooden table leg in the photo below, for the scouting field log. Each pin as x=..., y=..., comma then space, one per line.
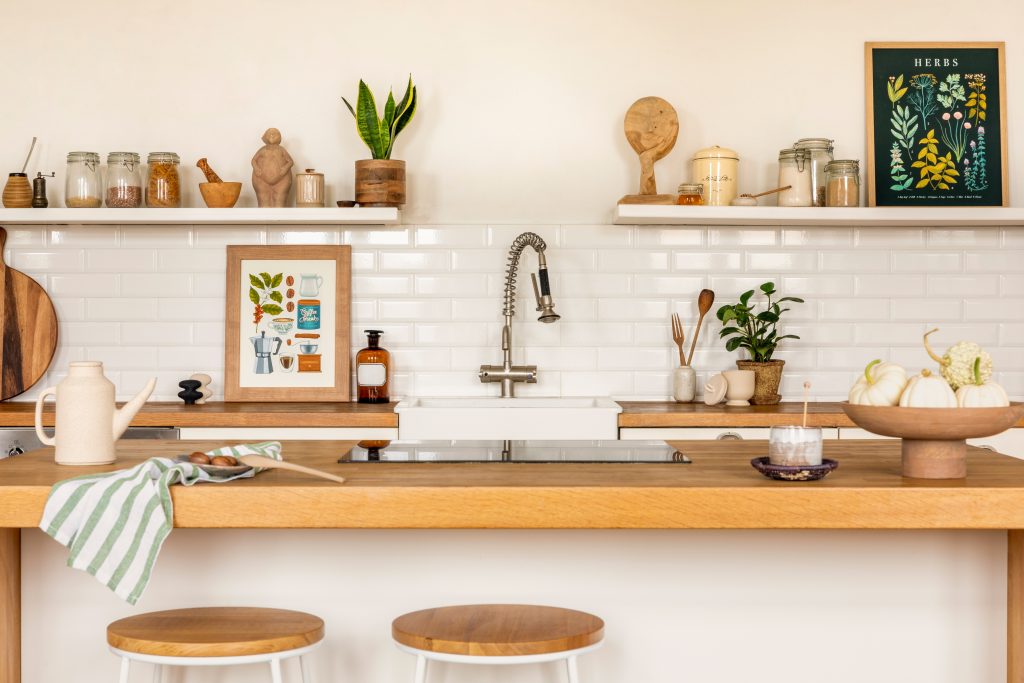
x=1014, y=606
x=10, y=605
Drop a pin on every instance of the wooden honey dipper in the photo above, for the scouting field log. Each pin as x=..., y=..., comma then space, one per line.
x=211, y=175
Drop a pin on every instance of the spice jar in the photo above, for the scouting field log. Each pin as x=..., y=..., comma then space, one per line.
x=163, y=190
x=124, y=180
x=309, y=188
x=795, y=171
x=690, y=194
x=842, y=187
x=716, y=169
x=83, y=187
x=820, y=150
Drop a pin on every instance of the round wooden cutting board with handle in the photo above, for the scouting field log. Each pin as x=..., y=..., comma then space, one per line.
x=28, y=325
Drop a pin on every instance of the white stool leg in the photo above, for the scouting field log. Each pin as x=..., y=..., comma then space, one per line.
x=570, y=668
x=158, y=671
x=421, y=669
x=307, y=675
x=275, y=670
x=126, y=666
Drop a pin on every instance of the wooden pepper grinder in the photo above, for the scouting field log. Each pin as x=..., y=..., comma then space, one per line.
x=39, y=199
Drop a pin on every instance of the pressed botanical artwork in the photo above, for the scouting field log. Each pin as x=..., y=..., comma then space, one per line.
x=287, y=335
x=936, y=124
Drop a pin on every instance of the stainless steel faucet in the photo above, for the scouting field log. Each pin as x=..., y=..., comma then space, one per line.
x=506, y=373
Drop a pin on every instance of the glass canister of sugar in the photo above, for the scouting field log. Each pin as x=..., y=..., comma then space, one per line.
x=820, y=151
x=795, y=171
x=717, y=169
x=842, y=183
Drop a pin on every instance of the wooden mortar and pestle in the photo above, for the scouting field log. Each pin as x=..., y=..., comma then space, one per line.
x=216, y=193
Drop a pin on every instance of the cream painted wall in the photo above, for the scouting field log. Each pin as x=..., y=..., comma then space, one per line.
x=522, y=102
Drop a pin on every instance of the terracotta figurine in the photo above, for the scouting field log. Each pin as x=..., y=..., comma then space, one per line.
x=272, y=171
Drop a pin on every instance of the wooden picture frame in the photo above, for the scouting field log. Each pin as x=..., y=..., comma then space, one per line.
x=934, y=84
x=289, y=338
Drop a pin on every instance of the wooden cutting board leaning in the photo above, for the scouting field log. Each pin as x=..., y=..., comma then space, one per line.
x=28, y=325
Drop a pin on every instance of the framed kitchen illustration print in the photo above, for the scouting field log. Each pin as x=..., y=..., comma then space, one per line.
x=288, y=323
x=936, y=120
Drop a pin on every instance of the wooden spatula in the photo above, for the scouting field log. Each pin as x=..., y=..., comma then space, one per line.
x=271, y=464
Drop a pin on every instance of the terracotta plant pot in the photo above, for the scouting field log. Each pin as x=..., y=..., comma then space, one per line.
x=767, y=377
x=380, y=182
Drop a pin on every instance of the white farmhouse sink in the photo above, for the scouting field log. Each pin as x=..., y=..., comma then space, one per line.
x=508, y=418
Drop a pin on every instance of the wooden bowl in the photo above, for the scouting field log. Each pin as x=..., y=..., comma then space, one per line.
x=934, y=439
x=220, y=195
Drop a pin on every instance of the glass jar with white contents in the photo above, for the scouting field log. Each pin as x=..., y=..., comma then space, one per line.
x=820, y=151
x=795, y=172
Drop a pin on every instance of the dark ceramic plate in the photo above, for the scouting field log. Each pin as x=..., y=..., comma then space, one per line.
x=794, y=472
x=218, y=470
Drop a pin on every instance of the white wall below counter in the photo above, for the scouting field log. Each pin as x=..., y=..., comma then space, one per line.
x=772, y=607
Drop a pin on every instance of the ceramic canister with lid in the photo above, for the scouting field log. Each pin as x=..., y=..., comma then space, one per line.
x=820, y=154
x=716, y=168
x=309, y=188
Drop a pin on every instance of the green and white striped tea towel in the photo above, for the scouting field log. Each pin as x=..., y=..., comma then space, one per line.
x=115, y=523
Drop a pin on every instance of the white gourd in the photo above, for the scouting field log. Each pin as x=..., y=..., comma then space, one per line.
x=882, y=384
x=927, y=391
x=981, y=394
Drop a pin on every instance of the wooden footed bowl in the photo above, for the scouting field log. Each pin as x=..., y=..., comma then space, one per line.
x=934, y=439
x=220, y=195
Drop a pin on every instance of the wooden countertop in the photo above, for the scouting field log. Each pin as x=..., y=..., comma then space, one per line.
x=719, y=490
x=220, y=414
x=667, y=414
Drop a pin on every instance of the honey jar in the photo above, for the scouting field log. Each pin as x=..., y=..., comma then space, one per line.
x=690, y=194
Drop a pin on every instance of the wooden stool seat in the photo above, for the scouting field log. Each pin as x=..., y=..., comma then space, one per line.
x=215, y=632
x=497, y=630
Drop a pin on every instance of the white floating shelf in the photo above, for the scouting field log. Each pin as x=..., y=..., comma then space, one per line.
x=246, y=216
x=654, y=214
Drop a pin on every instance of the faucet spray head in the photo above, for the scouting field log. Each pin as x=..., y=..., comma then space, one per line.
x=545, y=304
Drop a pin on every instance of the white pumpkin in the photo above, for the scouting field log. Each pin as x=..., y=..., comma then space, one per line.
x=927, y=391
x=981, y=394
x=882, y=384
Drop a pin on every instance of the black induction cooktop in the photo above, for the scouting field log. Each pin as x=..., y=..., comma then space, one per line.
x=514, y=452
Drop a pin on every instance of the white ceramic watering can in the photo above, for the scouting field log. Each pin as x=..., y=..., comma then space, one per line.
x=88, y=423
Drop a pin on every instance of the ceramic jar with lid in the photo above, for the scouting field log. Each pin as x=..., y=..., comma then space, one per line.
x=820, y=151
x=716, y=168
x=124, y=180
x=83, y=186
x=163, y=187
x=795, y=171
x=842, y=185
x=309, y=188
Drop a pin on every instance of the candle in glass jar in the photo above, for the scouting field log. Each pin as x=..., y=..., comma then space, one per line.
x=795, y=446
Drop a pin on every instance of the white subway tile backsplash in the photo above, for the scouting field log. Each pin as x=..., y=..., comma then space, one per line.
x=148, y=300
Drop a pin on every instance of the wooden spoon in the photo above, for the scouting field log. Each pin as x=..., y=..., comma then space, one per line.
x=704, y=303
x=271, y=464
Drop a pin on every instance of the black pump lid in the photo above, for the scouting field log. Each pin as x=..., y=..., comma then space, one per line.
x=375, y=333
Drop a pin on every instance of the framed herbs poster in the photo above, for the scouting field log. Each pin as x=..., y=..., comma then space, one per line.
x=936, y=120
x=287, y=323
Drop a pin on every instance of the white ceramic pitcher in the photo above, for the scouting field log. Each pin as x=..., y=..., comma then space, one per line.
x=88, y=424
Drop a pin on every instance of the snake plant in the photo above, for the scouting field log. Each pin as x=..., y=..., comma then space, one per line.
x=379, y=133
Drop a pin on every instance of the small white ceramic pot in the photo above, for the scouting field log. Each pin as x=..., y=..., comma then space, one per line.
x=684, y=384
x=741, y=387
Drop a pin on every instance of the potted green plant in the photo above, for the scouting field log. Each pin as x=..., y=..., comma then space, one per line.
x=757, y=332
x=380, y=180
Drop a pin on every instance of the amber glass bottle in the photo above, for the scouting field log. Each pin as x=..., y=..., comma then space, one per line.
x=373, y=371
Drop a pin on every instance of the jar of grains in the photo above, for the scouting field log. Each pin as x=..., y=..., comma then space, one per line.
x=163, y=189
x=124, y=180
x=690, y=194
x=795, y=171
x=83, y=187
x=842, y=187
x=820, y=150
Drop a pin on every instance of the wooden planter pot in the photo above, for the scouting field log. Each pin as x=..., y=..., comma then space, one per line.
x=380, y=182
x=767, y=377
